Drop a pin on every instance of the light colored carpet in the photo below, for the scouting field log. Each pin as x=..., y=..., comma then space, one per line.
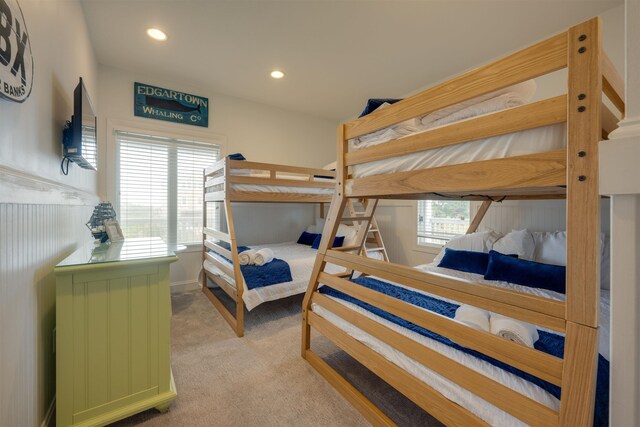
x=260, y=379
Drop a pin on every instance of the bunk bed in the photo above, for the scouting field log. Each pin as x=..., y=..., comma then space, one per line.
x=230, y=181
x=370, y=322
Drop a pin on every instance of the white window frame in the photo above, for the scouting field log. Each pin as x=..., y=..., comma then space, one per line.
x=432, y=248
x=111, y=183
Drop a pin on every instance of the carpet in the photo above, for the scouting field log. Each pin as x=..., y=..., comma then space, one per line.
x=260, y=379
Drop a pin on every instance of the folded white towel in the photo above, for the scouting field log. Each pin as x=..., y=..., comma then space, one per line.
x=247, y=257
x=474, y=317
x=263, y=256
x=514, y=330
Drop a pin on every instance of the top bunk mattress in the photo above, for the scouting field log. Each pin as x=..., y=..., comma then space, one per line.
x=262, y=188
x=530, y=141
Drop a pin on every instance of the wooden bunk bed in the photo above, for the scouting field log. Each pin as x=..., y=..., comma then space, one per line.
x=570, y=173
x=229, y=181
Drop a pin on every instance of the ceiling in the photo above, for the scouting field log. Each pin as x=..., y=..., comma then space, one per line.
x=335, y=54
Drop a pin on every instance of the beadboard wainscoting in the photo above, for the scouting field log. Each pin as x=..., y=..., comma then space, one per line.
x=33, y=239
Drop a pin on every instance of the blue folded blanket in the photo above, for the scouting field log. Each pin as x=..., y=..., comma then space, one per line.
x=255, y=276
x=549, y=343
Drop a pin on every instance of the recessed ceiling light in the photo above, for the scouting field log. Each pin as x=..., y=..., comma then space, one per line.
x=277, y=74
x=157, y=34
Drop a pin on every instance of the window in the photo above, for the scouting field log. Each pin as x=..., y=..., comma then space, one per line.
x=160, y=186
x=440, y=220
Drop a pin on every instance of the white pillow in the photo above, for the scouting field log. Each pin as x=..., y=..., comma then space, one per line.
x=551, y=248
x=478, y=242
x=524, y=90
x=518, y=242
x=349, y=232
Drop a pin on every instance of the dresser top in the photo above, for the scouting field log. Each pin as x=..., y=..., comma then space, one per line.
x=140, y=249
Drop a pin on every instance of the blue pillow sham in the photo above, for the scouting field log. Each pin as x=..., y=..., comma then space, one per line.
x=374, y=103
x=236, y=156
x=337, y=242
x=307, y=238
x=526, y=273
x=468, y=261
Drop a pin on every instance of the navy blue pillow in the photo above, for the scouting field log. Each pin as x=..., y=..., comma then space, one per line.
x=236, y=156
x=526, y=273
x=469, y=261
x=337, y=242
x=374, y=103
x=307, y=238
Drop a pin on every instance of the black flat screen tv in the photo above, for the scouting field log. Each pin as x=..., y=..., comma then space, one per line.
x=80, y=136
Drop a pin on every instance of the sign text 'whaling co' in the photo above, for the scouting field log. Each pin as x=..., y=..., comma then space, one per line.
x=170, y=105
x=16, y=60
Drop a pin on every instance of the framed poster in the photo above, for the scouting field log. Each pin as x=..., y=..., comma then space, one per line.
x=16, y=60
x=165, y=104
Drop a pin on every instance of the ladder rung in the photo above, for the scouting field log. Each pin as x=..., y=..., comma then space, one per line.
x=373, y=230
x=374, y=249
x=355, y=218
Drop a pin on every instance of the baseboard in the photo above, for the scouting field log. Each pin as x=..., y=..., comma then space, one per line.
x=186, y=286
x=48, y=417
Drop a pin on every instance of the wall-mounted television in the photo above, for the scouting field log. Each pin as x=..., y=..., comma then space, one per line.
x=80, y=136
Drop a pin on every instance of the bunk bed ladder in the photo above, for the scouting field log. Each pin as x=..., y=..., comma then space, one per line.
x=372, y=234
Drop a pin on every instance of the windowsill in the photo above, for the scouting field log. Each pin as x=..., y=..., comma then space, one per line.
x=195, y=247
x=429, y=249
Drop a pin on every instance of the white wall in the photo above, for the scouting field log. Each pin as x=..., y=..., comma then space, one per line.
x=42, y=213
x=397, y=219
x=261, y=132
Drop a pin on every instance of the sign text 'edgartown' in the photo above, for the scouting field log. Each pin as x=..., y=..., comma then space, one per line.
x=170, y=105
x=16, y=61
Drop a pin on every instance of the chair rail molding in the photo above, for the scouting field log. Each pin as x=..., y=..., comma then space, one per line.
x=21, y=187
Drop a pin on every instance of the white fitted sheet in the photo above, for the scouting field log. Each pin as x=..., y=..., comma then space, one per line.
x=486, y=411
x=299, y=257
x=260, y=188
x=530, y=141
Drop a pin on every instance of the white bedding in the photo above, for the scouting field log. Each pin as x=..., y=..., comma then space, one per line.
x=299, y=257
x=530, y=141
x=278, y=188
x=473, y=403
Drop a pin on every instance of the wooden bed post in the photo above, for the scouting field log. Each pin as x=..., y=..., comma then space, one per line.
x=336, y=209
x=237, y=273
x=584, y=65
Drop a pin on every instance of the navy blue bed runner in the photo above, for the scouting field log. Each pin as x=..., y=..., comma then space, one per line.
x=549, y=343
x=272, y=273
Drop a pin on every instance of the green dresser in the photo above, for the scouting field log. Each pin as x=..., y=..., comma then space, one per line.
x=113, y=313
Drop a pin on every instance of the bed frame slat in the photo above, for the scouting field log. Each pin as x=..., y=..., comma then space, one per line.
x=239, y=179
x=542, y=58
x=542, y=113
x=421, y=394
x=537, y=363
x=531, y=170
x=524, y=408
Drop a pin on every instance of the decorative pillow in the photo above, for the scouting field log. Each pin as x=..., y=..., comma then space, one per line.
x=527, y=273
x=469, y=261
x=236, y=156
x=307, y=238
x=551, y=247
x=337, y=242
x=374, y=103
x=477, y=242
x=519, y=242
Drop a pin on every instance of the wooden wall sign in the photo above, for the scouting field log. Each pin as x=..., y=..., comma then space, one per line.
x=170, y=105
x=16, y=60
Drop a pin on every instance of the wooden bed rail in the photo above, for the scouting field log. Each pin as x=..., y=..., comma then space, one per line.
x=275, y=169
x=542, y=58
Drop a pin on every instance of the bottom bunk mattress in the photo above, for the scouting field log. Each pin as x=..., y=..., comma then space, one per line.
x=536, y=389
x=300, y=259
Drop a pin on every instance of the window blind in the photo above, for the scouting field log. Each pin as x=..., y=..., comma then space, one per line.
x=160, y=186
